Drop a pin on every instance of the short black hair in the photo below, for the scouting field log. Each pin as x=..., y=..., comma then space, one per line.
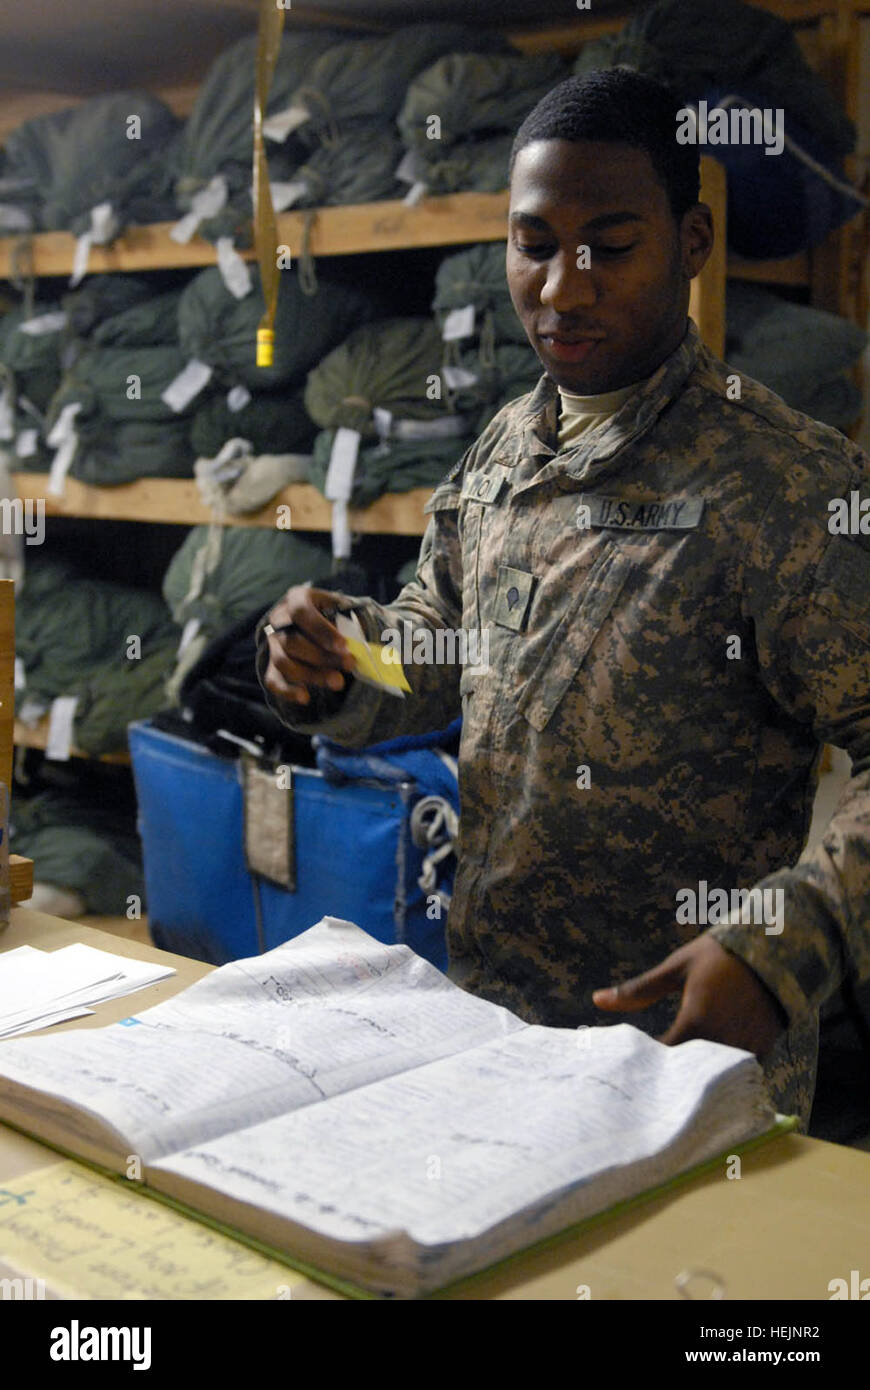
x=620, y=106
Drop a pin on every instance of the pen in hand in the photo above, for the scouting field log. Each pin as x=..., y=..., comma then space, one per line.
x=270, y=631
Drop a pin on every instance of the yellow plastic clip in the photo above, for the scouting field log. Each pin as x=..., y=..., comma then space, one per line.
x=265, y=347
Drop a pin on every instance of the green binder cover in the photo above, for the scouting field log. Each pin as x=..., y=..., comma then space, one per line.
x=784, y=1125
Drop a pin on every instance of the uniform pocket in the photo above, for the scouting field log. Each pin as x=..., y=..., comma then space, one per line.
x=843, y=586
x=573, y=636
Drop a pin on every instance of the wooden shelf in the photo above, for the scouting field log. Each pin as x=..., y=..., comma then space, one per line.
x=36, y=736
x=20, y=878
x=352, y=230
x=178, y=502
x=339, y=231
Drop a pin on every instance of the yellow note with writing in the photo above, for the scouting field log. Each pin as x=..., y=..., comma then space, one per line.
x=67, y=1231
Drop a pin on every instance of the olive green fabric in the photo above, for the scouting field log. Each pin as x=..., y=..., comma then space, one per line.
x=476, y=93
x=68, y=625
x=396, y=466
x=512, y=372
x=84, y=156
x=800, y=352
x=469, y=166
x=33, y=463
x=709, y=43
x=364, y=79
x=110, y=452
x=103, y=297
x=219, y=329
x=123, y=357
x=29, y=152
x=218, y=135
x=388, y=364
x=254, y=569
x=153, y=323
x=477, y=276
x=838, y=402
x=125, y=430
x=358, y=167
x=273, y=422
x=82, y=845
x=104, y=380
x=32, y=359
x=119, y=692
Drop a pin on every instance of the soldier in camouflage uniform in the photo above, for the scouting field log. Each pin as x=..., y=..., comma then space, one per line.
x=666, y=607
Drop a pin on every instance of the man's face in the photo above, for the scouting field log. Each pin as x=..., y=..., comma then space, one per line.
x=604, y=327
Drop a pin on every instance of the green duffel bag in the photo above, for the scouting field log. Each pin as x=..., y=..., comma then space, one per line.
x=80, y=844
x=103, y=297
x=119, y=692
x=358, y=167
x=273, y=422
x=221, y=331
x=513, y=371
x=477, y=276
x=714, y=43
x=67, y=623
x=252, y=567
x=218, y=136
x=85, y=156
x=394, y=466
x=367, y=79
x=119, y=384
x=475, y=93
x=31, y=362
x=110, y=452
x=468, y=166
x=153, y=323
x=389, y=365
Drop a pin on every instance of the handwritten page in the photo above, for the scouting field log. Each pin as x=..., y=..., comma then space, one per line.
x=84, y=1236
x=329, y=1011
x=506, y=1137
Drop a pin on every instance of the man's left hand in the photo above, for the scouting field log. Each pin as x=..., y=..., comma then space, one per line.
x=723, y=999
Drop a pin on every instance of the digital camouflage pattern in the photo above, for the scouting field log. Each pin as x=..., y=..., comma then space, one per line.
x=609, y=648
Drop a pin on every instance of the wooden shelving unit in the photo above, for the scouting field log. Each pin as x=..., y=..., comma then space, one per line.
x=177, y=501
x=332, y=231
x=456, y=220
x=834, y=274
x=20, y=869
x=36, y=736
x=452, y=220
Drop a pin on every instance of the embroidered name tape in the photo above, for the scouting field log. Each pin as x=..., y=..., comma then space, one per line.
x=672, y=514
x=483, y=487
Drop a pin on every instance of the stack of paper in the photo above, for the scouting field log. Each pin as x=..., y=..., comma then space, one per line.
x=42, y=987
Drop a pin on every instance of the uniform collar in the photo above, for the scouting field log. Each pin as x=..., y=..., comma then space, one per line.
x=538, y=428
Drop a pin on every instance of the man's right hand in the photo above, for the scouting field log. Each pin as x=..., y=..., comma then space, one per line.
x=314, y=654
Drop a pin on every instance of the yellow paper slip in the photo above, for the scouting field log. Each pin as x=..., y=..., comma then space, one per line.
x=93, y=1239
x=376, y=664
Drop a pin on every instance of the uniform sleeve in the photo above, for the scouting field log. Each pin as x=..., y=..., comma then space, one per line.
x=807, y=594
x=361, y=715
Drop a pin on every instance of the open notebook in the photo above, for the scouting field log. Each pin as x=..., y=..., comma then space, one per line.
x=341, y=1102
